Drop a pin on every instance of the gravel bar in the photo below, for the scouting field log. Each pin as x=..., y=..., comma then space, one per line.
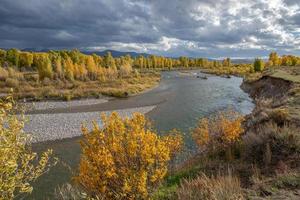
x=61, y=104
x=45, y=127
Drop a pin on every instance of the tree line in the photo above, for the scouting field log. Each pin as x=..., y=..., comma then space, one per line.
x=72, y=64
x=276, y=60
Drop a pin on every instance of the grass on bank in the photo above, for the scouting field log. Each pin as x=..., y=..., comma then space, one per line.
x=287, y=73
x=31, y=88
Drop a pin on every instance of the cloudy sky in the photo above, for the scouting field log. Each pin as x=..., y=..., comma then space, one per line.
x=198, y=28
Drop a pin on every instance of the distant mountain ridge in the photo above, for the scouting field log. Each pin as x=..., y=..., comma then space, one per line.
x=116, y=53
x=100, y=53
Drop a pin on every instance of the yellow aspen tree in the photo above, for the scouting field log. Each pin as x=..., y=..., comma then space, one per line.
x=91, y=67
x=69, y=68
x=25, y=59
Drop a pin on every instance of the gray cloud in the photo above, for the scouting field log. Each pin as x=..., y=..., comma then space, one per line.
x=211, y=28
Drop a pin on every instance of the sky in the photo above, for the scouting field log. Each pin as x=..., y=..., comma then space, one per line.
x=194, y=28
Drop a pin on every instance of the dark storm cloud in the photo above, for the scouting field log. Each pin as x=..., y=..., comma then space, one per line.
x=170, y=27
x=58, y=23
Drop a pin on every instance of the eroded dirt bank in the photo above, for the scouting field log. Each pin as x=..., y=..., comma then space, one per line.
x=277, y=99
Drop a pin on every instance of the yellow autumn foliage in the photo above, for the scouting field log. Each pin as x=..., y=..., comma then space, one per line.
x=19, y=166
x=201, y=132
x=125, y=158
x=222, y=130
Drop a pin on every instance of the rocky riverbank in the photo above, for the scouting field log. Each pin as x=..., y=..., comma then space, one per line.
x=57, y=126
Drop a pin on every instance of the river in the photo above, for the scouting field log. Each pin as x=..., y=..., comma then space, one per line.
x=180, y=99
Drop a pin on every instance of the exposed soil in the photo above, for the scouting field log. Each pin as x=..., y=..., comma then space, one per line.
x=268, y=87
x=276, y=99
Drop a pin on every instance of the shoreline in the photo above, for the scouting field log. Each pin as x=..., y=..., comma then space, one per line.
x=51, y=127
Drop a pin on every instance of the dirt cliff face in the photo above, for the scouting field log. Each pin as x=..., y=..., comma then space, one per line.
x=268, y=88
x=277, y=99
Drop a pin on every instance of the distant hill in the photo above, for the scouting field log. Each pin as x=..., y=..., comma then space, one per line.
x=116, y=53
x=242, y=61
x=135, y=54
x=36, y=49
x=100, y=53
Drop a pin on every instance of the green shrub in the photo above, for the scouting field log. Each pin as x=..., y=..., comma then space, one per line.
x=258, y=65
x=12, y=55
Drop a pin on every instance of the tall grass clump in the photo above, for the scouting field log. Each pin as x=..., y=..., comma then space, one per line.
x=211, y=188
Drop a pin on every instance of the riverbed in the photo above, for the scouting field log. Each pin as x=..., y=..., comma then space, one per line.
x=178, y=102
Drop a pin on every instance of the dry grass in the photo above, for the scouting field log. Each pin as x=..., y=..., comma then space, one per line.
x=69, y=192
x=251, y=77
x=214, y=188
x=32, y=89
x=271, y=144
x=284, y=74
x=3, y=74
x=280, y=186
x=12, y=83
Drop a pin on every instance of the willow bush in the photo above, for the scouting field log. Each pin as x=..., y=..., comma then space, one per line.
x=220, y=132
x=125, y=159
x=19, y=166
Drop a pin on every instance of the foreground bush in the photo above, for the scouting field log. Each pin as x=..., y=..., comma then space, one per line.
x=215, y=188
x=19, y=166
x=219, y=133
x=125, y=159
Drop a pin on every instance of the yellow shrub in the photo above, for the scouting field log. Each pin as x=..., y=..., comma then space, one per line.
x=18, y=165
x=220, y=131
x=125, y=158
x=201, y=132
x=229, y=127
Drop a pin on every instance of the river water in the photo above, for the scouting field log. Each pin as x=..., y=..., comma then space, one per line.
x=180, y=99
